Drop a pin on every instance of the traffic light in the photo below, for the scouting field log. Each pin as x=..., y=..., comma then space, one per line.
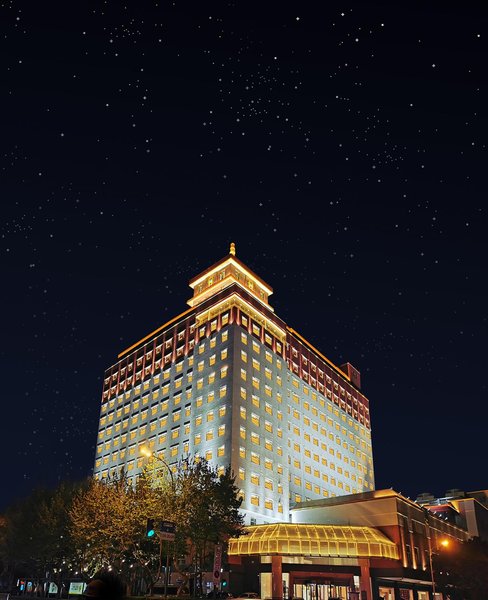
x=224, y=583
x=150, y=531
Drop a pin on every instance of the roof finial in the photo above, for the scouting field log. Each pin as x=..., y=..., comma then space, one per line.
x=232, y=249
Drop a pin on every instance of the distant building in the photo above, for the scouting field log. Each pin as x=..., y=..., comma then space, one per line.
x=362, y=546
x=229, y=381
x=469, y=509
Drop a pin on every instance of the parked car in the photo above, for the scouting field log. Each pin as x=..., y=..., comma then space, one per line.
x=220, y=594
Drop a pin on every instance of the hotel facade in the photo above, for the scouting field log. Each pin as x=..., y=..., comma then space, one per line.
x=229, y=381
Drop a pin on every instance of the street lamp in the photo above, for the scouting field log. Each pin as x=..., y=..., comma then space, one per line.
x=145, y=451
x=444, y=543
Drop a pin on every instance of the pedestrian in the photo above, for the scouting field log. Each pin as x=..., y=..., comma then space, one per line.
x=106, y=585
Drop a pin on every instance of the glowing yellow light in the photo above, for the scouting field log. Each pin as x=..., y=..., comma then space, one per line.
x=145, y=451
x=445, y=543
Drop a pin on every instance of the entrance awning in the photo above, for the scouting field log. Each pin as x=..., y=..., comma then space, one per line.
x=313, y=540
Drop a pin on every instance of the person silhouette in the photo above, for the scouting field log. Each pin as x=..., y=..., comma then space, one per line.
x=105, y=585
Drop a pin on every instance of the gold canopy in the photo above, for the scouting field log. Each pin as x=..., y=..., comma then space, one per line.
x=313, y=540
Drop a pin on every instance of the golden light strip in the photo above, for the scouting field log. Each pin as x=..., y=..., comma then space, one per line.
x=309, y=345
x=239, y=267
x=149, y=335
x=236, y=300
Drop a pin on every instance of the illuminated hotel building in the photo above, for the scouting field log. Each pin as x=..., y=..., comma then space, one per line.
x=228, y=380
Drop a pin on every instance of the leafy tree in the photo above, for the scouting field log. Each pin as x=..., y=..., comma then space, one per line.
x=34, y=536
x=86, y=526
x=461, y=570
x=211, y=510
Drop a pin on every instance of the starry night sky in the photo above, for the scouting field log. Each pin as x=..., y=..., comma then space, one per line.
x=342, y=148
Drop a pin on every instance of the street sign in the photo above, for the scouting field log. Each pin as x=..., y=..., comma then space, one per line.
x=167, y=531
x=217, y=562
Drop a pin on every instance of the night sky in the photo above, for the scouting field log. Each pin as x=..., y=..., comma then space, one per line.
x=341, y=146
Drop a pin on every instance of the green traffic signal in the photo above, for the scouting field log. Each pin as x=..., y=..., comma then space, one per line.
x=150, y=531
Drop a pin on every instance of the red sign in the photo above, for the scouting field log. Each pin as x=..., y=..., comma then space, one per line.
x=217, y=561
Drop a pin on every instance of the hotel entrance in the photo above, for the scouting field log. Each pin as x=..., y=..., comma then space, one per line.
x=321, y=589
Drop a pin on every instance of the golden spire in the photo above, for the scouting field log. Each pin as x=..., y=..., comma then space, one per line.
x=232, y=249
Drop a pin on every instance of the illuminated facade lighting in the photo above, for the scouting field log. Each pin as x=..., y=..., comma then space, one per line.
x=228, y=380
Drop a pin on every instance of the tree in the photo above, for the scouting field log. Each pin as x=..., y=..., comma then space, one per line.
x=462, y=570
x=34, y=536
x=211, y=510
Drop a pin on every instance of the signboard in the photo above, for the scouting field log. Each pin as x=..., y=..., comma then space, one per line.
x=76, y=587
x=53, y=588
x=167, y=531
x=217, y=562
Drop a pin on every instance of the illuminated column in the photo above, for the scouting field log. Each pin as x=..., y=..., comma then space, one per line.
x=365, y=579
x=277, y=578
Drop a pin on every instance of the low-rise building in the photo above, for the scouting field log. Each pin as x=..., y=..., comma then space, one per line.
x=469, y=508
x=374, y=545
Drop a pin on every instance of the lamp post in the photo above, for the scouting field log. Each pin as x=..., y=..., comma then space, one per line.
x=443, y=543
x=149, y=454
